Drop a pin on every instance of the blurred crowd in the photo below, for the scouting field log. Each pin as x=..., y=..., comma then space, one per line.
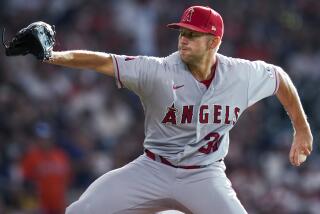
x=60, y=128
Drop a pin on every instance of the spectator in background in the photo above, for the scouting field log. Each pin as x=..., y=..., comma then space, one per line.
x=48, y=169
x=142, y=13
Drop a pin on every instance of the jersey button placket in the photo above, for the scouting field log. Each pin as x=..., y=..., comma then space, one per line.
x=202, y=87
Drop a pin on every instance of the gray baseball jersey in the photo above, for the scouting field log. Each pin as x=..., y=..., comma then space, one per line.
x=185, y=122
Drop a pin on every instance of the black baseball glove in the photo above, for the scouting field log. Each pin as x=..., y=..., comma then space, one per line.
x=37, y=39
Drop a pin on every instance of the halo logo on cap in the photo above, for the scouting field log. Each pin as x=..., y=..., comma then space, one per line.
x=201, y=19
x=188, y=15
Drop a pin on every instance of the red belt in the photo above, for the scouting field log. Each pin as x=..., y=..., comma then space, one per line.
x=161, y=159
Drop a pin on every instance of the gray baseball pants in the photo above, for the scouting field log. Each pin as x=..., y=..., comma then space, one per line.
x=145, y=186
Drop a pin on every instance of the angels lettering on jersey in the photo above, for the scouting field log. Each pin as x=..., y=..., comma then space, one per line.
x=207, y=114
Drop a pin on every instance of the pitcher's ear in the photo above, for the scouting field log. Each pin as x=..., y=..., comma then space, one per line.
x=214, y=41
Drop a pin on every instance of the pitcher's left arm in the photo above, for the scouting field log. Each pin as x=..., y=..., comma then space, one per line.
x=302, y=136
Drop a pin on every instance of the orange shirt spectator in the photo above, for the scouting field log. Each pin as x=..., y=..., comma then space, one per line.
x=48, y=168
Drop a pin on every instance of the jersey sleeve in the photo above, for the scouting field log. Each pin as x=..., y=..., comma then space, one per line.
x=263, y=81
x=137, y=73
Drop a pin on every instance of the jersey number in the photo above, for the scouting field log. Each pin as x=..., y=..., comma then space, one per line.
x=212, y=145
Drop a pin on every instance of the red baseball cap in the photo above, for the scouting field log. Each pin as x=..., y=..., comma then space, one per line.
x=201, y=19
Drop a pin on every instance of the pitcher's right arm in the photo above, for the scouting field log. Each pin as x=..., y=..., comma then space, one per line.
x=83, y=59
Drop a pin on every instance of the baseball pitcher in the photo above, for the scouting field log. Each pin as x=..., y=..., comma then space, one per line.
x=191, y=99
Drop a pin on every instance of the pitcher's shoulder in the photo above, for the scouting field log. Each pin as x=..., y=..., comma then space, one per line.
x=173, y=59
x=233, y=62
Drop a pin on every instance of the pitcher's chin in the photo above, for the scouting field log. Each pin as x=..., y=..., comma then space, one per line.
x=184, y=54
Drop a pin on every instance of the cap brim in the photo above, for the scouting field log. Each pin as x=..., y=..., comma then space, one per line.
x=185, y=25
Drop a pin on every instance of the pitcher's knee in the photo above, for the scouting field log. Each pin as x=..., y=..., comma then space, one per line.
x=78, y=207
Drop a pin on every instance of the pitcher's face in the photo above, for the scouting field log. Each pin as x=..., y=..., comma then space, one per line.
x=193, y=45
